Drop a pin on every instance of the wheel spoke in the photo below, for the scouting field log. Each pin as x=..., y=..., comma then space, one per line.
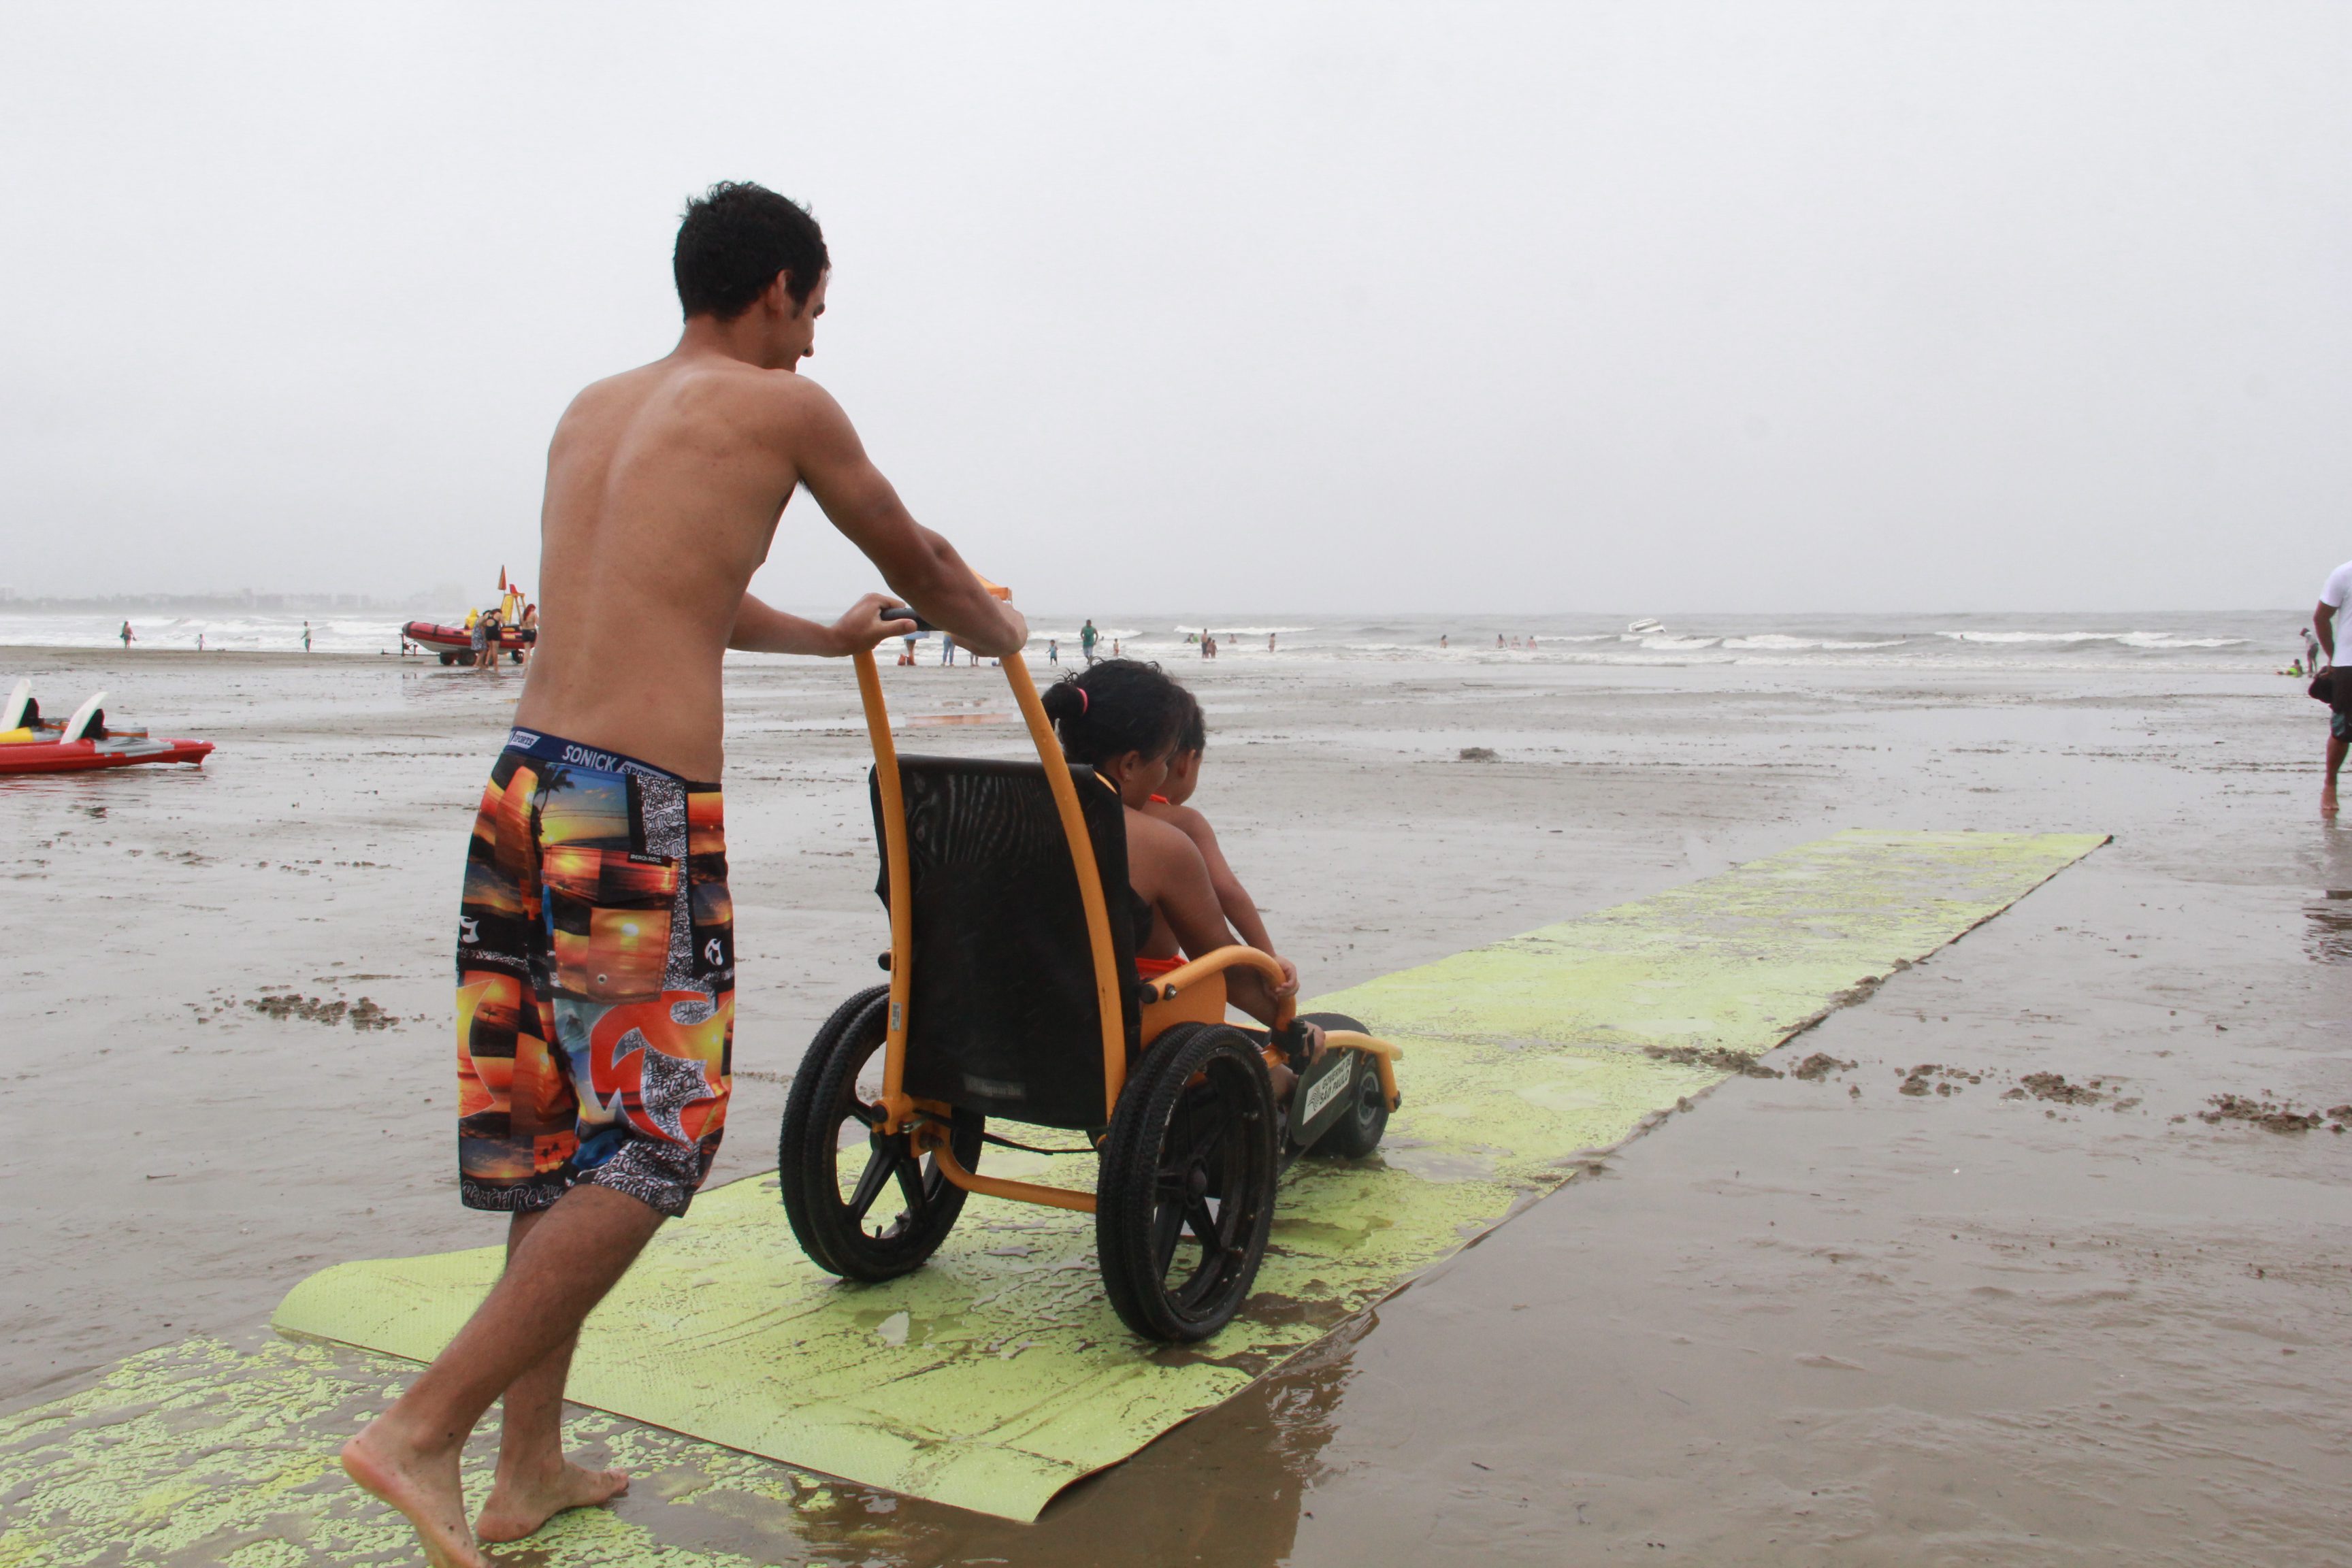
x=912, y=1185
x=1207, y=1229
x=879, y=1162
x=1167, y=1231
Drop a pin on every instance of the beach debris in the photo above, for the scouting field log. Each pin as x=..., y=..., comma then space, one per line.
x=1716, y=1057
x=2263, y=1113
x=1479, y=754
x=364, y=1013
x=1819, y=1066
x=1935, y=1078
x=2054, y=1085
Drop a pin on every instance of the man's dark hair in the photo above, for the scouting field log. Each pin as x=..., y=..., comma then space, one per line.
x=733, y=241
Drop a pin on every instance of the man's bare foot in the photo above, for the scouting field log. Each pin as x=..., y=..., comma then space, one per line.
x=424, y=1487
x=2328, y=800
x=517, y=1508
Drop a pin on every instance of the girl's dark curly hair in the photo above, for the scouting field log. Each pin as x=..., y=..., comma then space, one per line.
x=1115, y=707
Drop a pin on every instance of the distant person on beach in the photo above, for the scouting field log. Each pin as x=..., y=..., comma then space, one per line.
x=530, y=635
x=1269, y=642
x=947, y=649
x=593, y=1077
x=126, y=636
x=200, y=642
x=1053, y=651
x=2325, y=620
x=305, y=636
x=1087, y=637
x=486, y=628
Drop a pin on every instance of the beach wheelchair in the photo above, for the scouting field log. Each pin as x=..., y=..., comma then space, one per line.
x=1014, y=996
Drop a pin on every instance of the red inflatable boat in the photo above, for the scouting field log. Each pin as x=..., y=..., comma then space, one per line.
x=113, y=751
x=455, y=644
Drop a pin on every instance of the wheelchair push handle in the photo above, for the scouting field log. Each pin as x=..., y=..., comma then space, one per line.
x=908, y=611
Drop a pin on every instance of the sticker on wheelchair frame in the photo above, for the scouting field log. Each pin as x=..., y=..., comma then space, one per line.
x=1321, y=1096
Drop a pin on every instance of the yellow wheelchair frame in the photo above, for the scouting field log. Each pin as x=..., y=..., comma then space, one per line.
x=1140, y=1215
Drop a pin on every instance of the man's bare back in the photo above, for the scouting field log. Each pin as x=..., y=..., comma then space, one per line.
x=665, y=485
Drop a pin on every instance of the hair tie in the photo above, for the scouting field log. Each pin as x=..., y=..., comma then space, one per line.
x=1082, y=701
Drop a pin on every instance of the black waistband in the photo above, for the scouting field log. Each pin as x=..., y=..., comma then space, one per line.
x=547, y=748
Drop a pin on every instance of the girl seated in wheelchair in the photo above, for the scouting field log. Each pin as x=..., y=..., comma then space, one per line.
x=1128, y=721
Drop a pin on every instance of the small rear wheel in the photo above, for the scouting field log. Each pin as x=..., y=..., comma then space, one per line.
x=862, y=1204
x=1185, y=1199
x=1359, y=1127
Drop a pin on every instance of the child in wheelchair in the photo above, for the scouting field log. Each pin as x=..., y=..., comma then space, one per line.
x=1169, y=805
x=1131, y=722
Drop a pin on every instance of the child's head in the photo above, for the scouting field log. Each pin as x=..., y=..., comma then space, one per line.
x=1184, y=762
x=1124, y=717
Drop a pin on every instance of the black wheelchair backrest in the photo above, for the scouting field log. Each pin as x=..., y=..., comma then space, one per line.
x=1003, y=1015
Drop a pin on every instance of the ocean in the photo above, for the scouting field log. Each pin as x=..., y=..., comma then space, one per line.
x=2217, y=641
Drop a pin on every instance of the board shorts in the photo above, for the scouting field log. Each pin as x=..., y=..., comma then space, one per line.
x=595, y=981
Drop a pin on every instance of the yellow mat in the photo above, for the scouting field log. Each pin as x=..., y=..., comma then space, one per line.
x=998, y=1375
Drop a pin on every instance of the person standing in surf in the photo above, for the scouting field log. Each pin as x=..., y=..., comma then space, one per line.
x=2326, y=619
x=1087, y=637
x=596, y=947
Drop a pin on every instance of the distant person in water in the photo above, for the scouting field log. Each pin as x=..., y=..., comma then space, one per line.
x=1269, y=642
x=1087, y=637
x=305, y=636
x=126, y=634
x=2326, y=620
x=1053, y=651
x=592, y=1089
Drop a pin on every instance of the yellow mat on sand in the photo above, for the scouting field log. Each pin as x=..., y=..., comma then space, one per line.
x=997, y=1376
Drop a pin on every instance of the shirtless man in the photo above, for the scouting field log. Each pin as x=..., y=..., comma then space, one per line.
x=595, y=956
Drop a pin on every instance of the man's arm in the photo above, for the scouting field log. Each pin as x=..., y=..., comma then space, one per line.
x=919, y=565
x=761, y=627
x=2323, y=621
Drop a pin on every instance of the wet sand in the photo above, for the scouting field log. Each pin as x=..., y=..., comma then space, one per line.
x=1798, y=1323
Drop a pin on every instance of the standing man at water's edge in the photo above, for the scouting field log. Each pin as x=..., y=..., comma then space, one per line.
x=593, y=1058
x=2333, y=597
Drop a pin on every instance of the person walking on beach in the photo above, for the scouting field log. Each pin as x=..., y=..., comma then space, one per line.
x=2334, y=594
x=594, y=1085
x=1087, y=637
x=126, y=636
x=305, y=636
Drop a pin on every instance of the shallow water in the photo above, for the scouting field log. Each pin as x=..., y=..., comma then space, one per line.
x=1795, y=1324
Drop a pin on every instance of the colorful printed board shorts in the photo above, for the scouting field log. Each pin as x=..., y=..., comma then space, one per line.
x=595, y=981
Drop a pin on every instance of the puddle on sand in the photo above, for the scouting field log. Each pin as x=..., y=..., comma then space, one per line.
x=2329, y=940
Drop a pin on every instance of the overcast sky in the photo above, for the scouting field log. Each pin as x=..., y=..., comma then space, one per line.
x=1638, y=307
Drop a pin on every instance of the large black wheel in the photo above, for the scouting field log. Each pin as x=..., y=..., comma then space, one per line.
x=1185, y=1198
x=1359, y=1130
x=861, y=1206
